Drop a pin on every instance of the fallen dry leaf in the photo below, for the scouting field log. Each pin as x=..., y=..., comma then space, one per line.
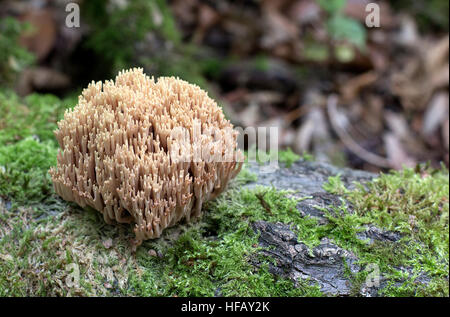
x=435, y=114
x=396, y=154
x=445, y=134
x=41, y=78
x=41, y=39
x=351, y=88
x=304, y=12
x=278, y=30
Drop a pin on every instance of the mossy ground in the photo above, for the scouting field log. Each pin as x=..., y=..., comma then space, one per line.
x=46, y=243
x=414, y=203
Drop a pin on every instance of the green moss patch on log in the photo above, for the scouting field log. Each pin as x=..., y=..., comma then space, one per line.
x=49, y=247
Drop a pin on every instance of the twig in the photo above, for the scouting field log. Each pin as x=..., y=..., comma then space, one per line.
x=263, y=202
x=295, y=114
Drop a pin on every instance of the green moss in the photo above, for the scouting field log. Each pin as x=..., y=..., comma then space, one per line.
x=35, y=115
x=41, y=236
x=245, y=176
x=261, y=62
x=411, y=202
x=23, y=170
x=28, y=147
x=335, y=185
x=61, y=255
x=214, y=256
x=206, y=258
x=286, y=157
x=212, y=67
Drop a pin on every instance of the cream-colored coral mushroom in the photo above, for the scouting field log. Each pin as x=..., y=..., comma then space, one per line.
x=145, y=151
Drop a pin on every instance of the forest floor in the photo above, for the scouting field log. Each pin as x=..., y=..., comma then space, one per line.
x=370, y=98
x=49, y=247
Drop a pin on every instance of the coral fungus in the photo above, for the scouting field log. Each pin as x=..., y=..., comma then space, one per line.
x=145, y=151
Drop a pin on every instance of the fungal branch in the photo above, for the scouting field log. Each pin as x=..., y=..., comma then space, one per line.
x=144, y=151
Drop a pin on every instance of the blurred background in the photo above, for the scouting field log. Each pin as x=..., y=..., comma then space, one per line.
x=370, y=98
